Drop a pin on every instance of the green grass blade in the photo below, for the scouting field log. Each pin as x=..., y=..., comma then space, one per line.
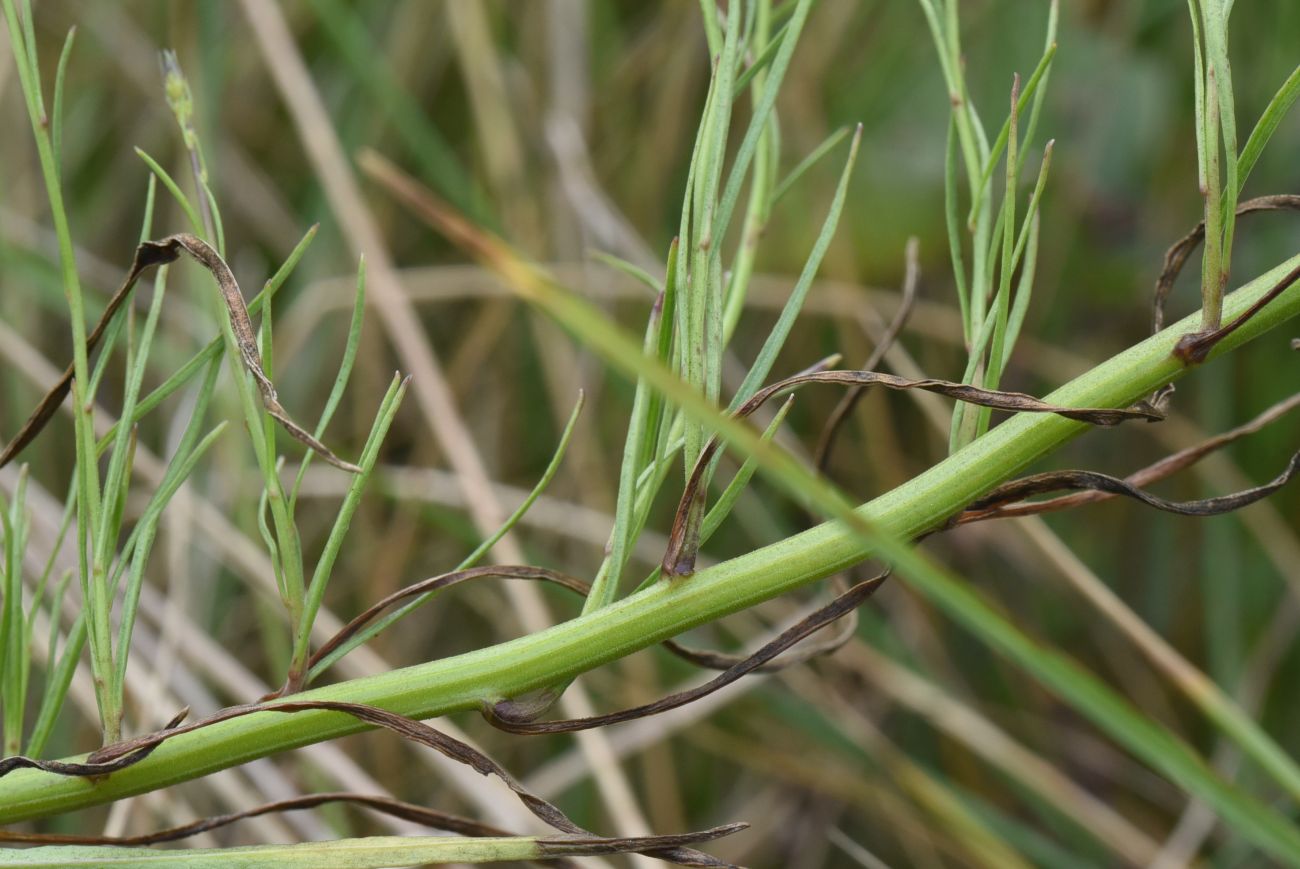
x=341, y=379
x=380, y=624
x=315, y=592
x=766, y=358
x=635, y=446
x=148, y=529
x=174, y=189
x=56, y=112
x=761, y=61
x=1267, y=125
x=814, y=157
x=344, y=26
x=632, y=270
x=1031, y=91
x=762, y=111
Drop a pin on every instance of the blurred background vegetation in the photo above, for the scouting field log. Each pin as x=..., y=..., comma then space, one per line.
x=567, y=126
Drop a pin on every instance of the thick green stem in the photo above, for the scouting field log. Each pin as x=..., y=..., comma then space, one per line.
x=667, y=608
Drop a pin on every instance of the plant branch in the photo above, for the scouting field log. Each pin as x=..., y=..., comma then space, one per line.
x=668, y=608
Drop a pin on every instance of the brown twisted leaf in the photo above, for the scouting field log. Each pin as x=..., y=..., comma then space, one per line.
x=386, y=805
x=1177, y=255
x=836, y=609
x=850, y=399
x=568, y=845
x=161, y=252
x=1056, y=481
x=438, y=583
x=683, y=545
x=1194, y=347
x=1152, y=473
x=123, y=754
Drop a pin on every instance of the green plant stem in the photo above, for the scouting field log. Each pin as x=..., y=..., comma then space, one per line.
x=666, y=609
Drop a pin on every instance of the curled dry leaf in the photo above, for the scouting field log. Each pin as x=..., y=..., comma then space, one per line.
x=850, y=399
x=438, y=583
x=1196, y=346
x=525, y=710
x=1177, y=255
x=683, y=546
x=161, y=252
x=123, y=754
x=844, y=603
x=1056, y=481
x=1152, y=473
x=94, y=766
x=567, y=845
x=385, y=805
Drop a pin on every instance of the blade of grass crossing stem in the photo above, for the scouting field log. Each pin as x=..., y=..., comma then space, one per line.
x=325, y=564
x=380, y=624
x=722, y=508
x=761, y=61
x=1156, y=746
x=341, y=379
x=766, y=358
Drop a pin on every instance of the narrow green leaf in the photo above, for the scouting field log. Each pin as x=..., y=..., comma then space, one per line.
x=174, y=189
x=380, y=624
x=763, y=363
x=56, y=119
x=1267, y=125
x=814, y=156
x=341, y=379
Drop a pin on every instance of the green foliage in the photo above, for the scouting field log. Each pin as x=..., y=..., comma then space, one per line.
x=941, y=780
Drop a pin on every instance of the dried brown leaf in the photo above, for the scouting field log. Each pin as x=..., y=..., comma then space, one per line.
x=161, y=252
